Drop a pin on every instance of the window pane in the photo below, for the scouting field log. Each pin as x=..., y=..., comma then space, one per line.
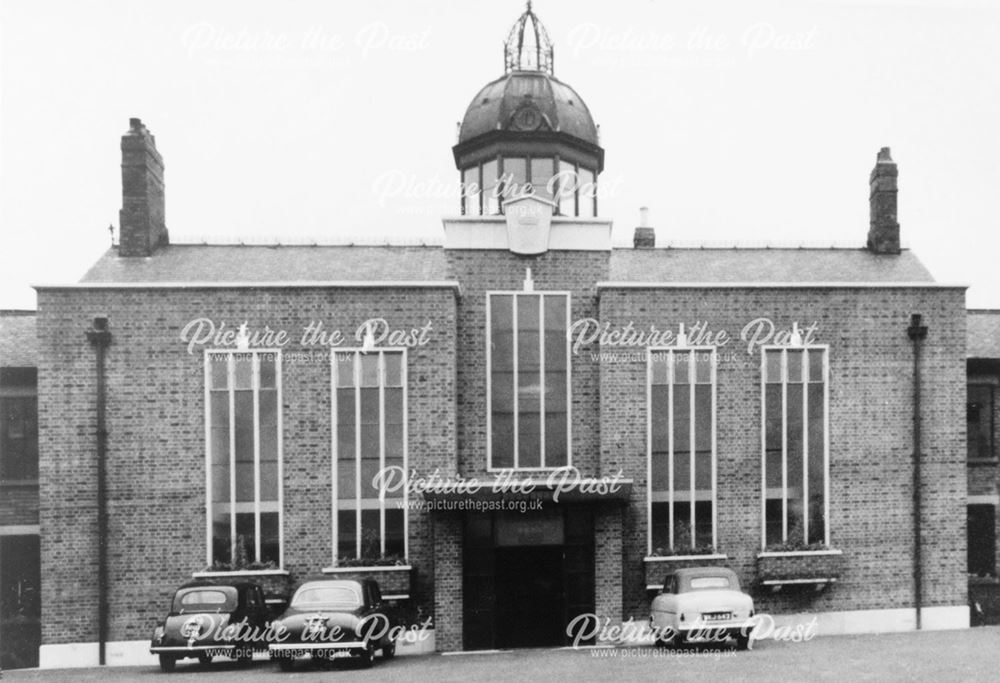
x=682, y=367
x=346, y=530
x=658, y=366
x=268, y=446
x=703, y=523
x=567, y=188
x=221, y=539
x=243, y=373
x=703, y=367
x=346, y=471
x=541, y=175
x=219, y=369
x=816, y=365
x=345, y=369
x=394, y=533
x=703, y=418
x=772, y=366
x=980, y=420
x=243, y=407
x=660, y=527
x=682, y=525
x=529, y=440
x=267, y=371
x=555, y=392
x=587, y=194
x=503, y=439
x=794, y=461
x=515, y=171
x=795, y=367
x=556, y=450
x=269, y=537
x=470, y=191
x=245, y=537
x=660, y=437
x=772, y=435
x=817, y=440
x=369, y=369
x=219, y=419
x=501, y=332
x=393, y=369
x=491, y=201
x=371, y=535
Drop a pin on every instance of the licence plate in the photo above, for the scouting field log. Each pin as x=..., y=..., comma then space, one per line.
x=717, y=616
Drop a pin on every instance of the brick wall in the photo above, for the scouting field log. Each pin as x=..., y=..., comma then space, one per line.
x=870, y=435
x=156, y=438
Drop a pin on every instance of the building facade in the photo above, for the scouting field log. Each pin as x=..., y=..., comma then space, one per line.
x=573, y=419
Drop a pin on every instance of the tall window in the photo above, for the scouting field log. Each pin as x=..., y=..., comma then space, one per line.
x=681, y=433
x=528, y=398
x=980, y=419
x=243, y=419
x=795, y=404
x=18, y=425
x=486, y=185
x=370, y=435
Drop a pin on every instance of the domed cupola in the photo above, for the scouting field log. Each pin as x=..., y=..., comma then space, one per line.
x=527, y=131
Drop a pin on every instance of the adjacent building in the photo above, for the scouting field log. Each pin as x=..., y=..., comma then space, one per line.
x=574, y=418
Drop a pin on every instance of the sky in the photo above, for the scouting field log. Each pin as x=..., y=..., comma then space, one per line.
x=755, y=122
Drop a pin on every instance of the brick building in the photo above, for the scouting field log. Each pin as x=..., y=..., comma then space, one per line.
x=229, y=408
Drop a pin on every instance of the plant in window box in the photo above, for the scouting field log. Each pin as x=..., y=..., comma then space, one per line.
x=275, y=583
x=683, y=554
x=795, y=560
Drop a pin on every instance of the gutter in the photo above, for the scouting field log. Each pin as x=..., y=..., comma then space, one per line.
x=100, y=338
x=917, y=333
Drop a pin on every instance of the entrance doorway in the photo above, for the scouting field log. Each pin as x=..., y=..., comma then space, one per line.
x=526, y=576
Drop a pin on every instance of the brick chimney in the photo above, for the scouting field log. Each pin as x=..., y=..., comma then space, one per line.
x=644, y=236
x=883, y=231
x=142, y=221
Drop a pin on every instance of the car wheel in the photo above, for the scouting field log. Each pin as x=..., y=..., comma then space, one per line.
x=204, y=659
x=286, y=663
x=244, y=656
x=167, y=663
x=679, y=640
x=368, y=655
x=743, y=643
x=389, y=650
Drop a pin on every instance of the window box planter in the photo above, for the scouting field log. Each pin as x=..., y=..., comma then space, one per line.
x=658, y=566
x=815, y=569
x=395, y=581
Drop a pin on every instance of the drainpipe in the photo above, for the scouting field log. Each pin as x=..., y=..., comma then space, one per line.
x=917, y=333
x=100, y=338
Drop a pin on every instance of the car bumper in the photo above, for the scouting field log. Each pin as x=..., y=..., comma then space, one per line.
x=189, y=649
x=710, y=629
x=296, y=649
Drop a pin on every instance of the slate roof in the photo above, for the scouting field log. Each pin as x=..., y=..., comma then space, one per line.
x=983, y=334
x=263, y=263
x=185, y=263
x=18, y=344
x=764, y=265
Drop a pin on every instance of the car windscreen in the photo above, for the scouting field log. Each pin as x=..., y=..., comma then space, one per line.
x=205, y=600
x=327, y=596
x=699, y=583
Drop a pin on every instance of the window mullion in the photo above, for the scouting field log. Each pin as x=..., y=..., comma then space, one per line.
x=649, y=451
x=255, y=388
x=209, y=455
x=404, y=380
x=692, y=375
x=541, y=373
x=805, y=446
x=356, y=368
x=670, y=447
x=784, y=445
x=334, y=460
x=713, y=379
x=231, y=381
x=517, y=402
x=381, y=449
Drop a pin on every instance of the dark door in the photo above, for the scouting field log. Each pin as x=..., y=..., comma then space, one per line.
x=531, y=601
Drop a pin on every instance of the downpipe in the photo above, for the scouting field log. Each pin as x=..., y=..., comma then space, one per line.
x=917, y=333
x=100, y=338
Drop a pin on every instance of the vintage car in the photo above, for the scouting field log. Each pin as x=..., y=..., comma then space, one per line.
x=331, y=618
x=208, y=619
x=703, y=604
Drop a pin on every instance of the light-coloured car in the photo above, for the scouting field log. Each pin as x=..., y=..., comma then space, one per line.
x=702, y=604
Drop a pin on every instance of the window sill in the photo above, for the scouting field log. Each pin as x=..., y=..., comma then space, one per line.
x=798, y=553
x=369, y=568
x=684, y=558
x=240, y=572
x=15, y=483
x=982, y=461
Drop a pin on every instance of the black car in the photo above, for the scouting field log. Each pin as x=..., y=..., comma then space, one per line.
x=331, y=618
x=208, y=619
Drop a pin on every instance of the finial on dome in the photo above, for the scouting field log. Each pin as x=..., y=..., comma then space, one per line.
x=528, y=47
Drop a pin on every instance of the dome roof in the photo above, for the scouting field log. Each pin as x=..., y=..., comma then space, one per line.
x=528, y=101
